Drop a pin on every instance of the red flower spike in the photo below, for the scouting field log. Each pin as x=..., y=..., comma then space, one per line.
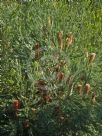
x=16, y=104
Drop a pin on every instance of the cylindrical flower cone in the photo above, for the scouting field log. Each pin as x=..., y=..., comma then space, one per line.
x=40, y=82
x=79, y=88
x=62, y=118
x=87, y=88
x=33, y=109
x=93, y=98
x=60, y=40
x=36, y=46
x=49, y=21
x=37, y=54
x=62, y=63
x=60, y=76
x=26, y=123
x=16, y=104
x=46, y=98
x=86, y=55
x=92, y=57
x=57, y=68
x=69, y=39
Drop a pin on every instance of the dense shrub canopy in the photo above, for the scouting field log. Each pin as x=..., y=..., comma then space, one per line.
x=51, y=74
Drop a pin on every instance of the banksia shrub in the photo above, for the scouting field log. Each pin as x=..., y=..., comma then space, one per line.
x=44, y=85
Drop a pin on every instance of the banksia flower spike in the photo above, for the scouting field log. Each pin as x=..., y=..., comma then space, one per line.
x=26, y=123
x=57, y=68
x=37, y=54
x=16, y=104
x=40, y=82
x=49, y=21
x=33, y=109
x=69, y=38
x=36, y=46
x=62, y=63
x=62, y=118
x=57, y=109
x=59, y=38
x=46, y=98
x=60, y=76
x=38, y=50
x=86, y=55
x=79, y=88
x=93, y=98
x=87, y=88
x=92, y=57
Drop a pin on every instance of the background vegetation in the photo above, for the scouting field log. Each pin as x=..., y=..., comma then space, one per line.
x=47, y=90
